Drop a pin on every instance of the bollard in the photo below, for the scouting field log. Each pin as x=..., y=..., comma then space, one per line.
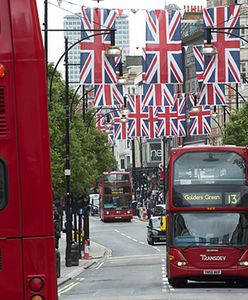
x=58, y=269
x=74, y=254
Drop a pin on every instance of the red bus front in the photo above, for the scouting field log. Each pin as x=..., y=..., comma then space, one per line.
x=207, y=215
x=116, y=196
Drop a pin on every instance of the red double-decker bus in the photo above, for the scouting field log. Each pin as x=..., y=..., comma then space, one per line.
x=27, y=248
x=115, y=189
x=207, y=201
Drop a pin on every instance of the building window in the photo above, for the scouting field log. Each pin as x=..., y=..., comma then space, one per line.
x=122, y=163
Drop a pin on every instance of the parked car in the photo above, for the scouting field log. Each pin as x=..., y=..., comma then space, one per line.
x=94, y=204
x=159, y=209
x=155, y=230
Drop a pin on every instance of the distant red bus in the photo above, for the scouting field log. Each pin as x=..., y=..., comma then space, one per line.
x=207, y=201
x=115, y=189
x=27, y=248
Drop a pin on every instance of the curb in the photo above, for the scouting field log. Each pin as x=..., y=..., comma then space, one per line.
x=85, y=265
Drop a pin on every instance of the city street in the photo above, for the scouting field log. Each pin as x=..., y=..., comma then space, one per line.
x=135, y=270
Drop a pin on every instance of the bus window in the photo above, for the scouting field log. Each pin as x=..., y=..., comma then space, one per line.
x=3, y=185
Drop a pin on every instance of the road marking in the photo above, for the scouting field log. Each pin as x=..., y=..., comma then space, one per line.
x=99, y=266
x=135, y=256
x=68, y=287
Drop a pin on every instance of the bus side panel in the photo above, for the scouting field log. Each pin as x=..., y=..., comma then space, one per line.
x=11, y=283
x=38, y=257
x=26, y=30
x=32, y=121
x=10, y=215
x=34, y=153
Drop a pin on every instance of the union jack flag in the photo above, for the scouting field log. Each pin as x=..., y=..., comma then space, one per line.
x=163, y=59
x=225, y=66
x=199, y=63
x=180, y=107
x=118, y=65
x=200, y=121
x=111, y=139
x=158, y=95
x=211, y=93
x=108, y=95
x=150, y=124
x=100, y=122
x=193, y=99
x=120, y=128
x=96, y=67
x=167, y=121
x=136, y=117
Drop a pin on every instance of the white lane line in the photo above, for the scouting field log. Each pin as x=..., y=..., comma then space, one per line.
x=142, y=243
x=68, y=287
x=99, y=266
x=134, y=240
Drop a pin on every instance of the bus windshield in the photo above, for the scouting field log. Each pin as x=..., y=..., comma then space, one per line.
x=115, y=202
x=200, y=229
x=117, y=179
x=224, y=171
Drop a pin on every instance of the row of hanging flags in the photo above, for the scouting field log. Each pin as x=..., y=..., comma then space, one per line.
x=159, y=111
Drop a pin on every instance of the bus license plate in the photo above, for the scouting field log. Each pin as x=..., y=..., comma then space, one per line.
x=212, y=272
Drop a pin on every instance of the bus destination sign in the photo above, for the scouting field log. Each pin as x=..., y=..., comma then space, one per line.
x=211, y=199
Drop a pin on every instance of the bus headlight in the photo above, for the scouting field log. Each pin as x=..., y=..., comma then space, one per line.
x=181, y=263
x=107, y=212
x=243, y=263
x=128, y=212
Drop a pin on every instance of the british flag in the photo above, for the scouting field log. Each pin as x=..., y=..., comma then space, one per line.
x=199, y=63
x=118, y=65
x=158, y=95
x=96, y=67
x=200, y=121
x=136, y=116
x=108, y=95
x=111, y=139
x=167, y=121
x=225, y=65
x=163, y=58
x=180, y=107
x=211, y=93
x=120, y=128
x=150, y=124
x=99, y=118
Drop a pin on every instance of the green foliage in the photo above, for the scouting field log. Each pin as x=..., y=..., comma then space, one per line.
x=236, y=131
x=90, y=153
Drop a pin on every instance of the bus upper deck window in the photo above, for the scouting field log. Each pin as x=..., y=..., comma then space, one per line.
x=3, y=185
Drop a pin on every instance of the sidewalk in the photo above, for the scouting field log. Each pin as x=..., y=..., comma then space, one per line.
x=96, y=252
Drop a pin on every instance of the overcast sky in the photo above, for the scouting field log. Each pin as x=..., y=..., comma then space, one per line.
x=137, y=21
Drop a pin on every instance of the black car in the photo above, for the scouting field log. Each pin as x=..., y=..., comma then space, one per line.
x=154, y=232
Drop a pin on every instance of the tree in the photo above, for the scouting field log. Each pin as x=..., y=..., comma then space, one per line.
x=236, y=131
x=90, y=154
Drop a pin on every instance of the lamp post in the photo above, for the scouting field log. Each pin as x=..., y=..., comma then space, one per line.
x=68, y=260
x=112, y=51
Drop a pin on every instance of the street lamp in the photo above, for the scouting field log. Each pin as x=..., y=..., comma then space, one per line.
x=113, y=51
